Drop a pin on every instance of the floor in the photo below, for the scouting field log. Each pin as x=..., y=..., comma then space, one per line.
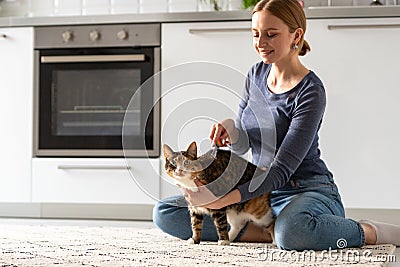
x=397, y=263
x=134, y=224
x=119, y=223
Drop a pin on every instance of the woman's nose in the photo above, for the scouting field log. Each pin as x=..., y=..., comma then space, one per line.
x=261, y=42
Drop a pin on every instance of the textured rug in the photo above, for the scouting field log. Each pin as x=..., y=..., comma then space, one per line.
x=47, y=245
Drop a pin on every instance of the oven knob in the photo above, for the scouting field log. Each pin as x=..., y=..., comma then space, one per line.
x=67, y=36
x=94, y=36
x=122, y=35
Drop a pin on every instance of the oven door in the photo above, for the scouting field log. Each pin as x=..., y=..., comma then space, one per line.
x=82, y=97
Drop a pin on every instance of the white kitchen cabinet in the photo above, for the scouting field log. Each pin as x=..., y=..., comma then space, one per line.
x=204, y=66
x=100, y=181
x=16, y=76
x=358, y=61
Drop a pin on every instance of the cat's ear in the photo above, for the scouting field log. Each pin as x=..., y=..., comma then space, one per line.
x=192, y=150
x=168, y=152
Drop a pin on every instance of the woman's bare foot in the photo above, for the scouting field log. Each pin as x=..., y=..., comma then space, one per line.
x=380, y=233
x=370, y=234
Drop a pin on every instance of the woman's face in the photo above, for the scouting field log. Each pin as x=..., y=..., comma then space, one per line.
x=271, y=37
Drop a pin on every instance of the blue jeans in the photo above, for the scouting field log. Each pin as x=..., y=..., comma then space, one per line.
x=309, y=215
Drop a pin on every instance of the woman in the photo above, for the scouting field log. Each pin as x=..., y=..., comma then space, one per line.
x=305, y=200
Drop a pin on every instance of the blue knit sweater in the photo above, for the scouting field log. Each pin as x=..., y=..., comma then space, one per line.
x=281, y=130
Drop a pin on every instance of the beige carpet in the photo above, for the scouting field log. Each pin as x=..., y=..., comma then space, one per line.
x=36, y=245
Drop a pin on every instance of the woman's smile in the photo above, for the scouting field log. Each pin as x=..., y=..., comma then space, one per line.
x=264, y=53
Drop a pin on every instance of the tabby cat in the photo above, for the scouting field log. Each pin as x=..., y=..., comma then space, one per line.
x=221, y=172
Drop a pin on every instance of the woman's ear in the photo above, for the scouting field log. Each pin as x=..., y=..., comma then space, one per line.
x=298, y=33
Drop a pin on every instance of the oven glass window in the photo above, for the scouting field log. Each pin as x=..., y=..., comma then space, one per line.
x=82, y=105
x=94, y=102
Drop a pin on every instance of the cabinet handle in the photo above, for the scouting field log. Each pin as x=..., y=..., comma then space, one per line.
x=93, y=167
x=363, y=26
x=3, y=36
x=217, y=30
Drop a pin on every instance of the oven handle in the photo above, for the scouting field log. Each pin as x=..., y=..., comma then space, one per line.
x=93, y=167
x=92, y=58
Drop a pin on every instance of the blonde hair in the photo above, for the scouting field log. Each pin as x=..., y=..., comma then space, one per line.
x=291, y=13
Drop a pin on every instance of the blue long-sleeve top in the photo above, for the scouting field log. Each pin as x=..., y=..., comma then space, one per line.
x=280, y=129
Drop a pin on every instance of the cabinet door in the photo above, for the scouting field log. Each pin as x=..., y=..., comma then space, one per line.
x=209, y=64
x=78, y=180
x=358, y=62
x=204, y=68
x=16, y=76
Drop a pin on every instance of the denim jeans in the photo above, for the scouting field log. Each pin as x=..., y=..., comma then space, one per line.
x=309, y=216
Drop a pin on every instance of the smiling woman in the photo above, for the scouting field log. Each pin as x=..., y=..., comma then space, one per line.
x=304, y=197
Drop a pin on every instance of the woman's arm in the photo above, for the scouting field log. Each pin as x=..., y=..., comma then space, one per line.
x=224, y=133
x=205, y=198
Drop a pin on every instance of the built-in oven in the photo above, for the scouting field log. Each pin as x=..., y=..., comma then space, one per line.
x=85, y=79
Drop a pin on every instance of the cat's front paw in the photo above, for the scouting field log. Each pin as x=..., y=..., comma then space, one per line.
x=191, y=241
x=224, y=242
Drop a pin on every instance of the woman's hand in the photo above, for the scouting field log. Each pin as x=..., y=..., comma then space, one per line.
x=202, y=198
x=206, y=199
x=224, y=133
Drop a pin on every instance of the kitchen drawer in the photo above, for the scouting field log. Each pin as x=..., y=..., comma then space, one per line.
x=77, y=180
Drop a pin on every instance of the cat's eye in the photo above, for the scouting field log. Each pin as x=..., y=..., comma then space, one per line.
x=186, y=162
x=172, y=162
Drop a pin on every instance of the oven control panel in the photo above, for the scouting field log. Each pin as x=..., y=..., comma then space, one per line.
x=98, y=36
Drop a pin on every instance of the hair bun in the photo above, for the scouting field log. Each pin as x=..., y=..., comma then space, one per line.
x=305, y=48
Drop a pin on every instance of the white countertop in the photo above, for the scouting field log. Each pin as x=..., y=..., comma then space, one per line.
x=311, y=13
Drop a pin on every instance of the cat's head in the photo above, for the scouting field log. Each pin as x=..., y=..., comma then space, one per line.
x=182, y=165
